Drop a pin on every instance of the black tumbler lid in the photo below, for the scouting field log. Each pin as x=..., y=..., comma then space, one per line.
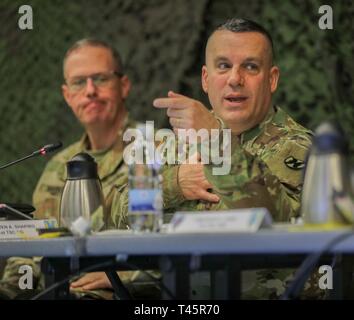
x=82, y=166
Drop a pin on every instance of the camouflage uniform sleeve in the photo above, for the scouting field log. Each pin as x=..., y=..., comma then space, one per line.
x=263, y=181
x=172, y=193
x=46, y=197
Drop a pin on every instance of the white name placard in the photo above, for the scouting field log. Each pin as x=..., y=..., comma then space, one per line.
x=20, y=229
x=240, y=220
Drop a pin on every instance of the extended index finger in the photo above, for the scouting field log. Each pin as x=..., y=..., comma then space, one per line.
x=163, y=103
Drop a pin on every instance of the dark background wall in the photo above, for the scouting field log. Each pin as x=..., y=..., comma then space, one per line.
x=162, y=43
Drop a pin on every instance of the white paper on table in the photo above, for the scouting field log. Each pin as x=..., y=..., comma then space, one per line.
x=240, y=220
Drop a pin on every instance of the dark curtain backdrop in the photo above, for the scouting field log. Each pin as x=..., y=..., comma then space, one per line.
x=162, y=44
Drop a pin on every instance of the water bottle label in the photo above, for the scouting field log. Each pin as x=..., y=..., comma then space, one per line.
x=145, y=200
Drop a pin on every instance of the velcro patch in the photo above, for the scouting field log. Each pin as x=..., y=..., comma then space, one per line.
x=294, y=164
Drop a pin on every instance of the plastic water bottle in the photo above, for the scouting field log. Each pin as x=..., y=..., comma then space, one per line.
x=145, y=193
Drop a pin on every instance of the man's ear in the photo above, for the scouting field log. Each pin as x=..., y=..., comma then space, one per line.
x=205, y=79
x=66, y=94
x=125, y=85
x=273, y=78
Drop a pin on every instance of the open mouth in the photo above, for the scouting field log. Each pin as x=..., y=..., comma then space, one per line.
x=236, y=99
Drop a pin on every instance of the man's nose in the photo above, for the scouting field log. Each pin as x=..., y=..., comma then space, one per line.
x=90, y=89
x=235, y=78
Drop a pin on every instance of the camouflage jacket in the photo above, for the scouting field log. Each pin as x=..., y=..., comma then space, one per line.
x=111, y=170
x=266, y=168
x=46, y=198
x=266, y=171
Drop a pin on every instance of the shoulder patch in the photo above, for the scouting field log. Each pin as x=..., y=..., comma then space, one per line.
x=293, y=163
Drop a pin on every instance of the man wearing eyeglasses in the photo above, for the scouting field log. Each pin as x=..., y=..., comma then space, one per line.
x=95, y=89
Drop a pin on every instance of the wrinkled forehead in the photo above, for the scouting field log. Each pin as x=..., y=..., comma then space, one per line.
x=237, y=45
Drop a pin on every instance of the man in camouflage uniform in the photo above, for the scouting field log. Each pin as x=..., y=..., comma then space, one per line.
x=95, y=89
x=268, y=147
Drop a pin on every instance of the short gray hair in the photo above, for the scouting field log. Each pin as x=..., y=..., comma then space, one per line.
x=92, y=42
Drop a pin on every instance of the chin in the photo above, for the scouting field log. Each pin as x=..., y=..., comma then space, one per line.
x=236, y=116
x=92, y=121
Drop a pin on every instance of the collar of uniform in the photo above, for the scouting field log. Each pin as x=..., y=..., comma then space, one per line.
x=85, y=144
x=252, y=134
x=108, y=159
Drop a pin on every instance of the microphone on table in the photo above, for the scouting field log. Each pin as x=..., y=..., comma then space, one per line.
x=23, y=211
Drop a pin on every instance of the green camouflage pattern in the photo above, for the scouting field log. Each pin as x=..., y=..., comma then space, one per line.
x=46, y=199
x=9, y=284
x=172, y=197
x=271, y=284
x=260, y=177
x=111, y=170
x=259, y=174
